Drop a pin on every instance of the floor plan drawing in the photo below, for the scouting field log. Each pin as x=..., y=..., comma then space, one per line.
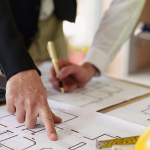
x=16, y=142
x=87, y=97
x=71, y=134
x=146, y=110
x=3, y=111
x=99, y=93
x=139, y=114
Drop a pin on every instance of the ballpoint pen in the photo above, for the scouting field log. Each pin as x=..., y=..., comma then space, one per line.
x=52, y=53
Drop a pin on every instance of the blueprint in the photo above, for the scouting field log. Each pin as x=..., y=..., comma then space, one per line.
x=3, y=111
x=98, y=94
x=78, y=131
x=137, y=112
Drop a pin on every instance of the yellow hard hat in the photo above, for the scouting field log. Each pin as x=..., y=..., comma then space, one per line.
x=143, y=142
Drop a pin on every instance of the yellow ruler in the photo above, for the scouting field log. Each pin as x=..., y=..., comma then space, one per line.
x=112, y=142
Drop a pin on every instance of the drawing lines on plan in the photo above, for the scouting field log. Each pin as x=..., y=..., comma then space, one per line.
x=71, y=139
x=137, y=112
x=85, y=97
x=78, y=131
x=146, y=110
x=99, y=93
x=16, y=143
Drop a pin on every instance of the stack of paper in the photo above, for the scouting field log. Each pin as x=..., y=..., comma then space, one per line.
x=138, y=112
x=78, y=131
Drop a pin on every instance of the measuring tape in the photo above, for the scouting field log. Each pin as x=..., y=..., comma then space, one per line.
x=121, y=141
x=123, y=147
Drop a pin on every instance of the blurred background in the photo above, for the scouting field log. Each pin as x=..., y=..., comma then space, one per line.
x=133, y=60
x=79, y=35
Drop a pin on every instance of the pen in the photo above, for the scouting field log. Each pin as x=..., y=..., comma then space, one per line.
x=52, y=53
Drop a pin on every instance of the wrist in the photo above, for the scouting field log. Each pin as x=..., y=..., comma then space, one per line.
x=90, y=69
x=24, y=73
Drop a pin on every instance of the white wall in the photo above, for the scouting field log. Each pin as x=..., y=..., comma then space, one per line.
x=89, y=16
x=95, y=10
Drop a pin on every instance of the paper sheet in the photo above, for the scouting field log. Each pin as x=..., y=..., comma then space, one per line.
x=3, y=111
x=98, y=94
x=78, y=131
x=138, y=112
x=139, y=77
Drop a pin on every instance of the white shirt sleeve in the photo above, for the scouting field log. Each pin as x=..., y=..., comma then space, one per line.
x=116, y=27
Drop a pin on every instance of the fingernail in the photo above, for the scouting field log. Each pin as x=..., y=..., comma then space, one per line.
x=53, y=136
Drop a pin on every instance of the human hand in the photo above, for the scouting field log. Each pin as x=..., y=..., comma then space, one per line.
x=26, y=96
x=73, y=76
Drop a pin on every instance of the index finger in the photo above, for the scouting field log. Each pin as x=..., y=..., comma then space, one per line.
x=46, y=116
x=62, y=63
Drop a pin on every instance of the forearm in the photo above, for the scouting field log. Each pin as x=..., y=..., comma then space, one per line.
x=115, y=28
x=13, y=54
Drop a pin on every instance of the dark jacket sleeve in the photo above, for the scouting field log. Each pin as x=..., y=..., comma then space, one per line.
x=66, y=9
x=13, y=54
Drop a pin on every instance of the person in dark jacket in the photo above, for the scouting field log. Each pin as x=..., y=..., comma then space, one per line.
x=25, y=93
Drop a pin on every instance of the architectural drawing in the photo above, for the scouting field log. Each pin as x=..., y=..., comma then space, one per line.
x=16, y=142
x=87, y=97
x=137, y=112
x=71, y=134
x=146, y=110
x=98, y=94
x=70, y=139
x=80, y=127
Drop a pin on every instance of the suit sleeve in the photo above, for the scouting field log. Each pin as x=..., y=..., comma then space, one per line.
x=116, y=27
x=14, y=57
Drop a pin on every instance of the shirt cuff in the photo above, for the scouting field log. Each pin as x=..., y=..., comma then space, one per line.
x=98, y=59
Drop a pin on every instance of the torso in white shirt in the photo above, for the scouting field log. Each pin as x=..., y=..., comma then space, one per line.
x=47, y=8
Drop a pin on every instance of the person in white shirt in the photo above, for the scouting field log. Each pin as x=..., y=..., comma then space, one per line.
x=116, y=27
